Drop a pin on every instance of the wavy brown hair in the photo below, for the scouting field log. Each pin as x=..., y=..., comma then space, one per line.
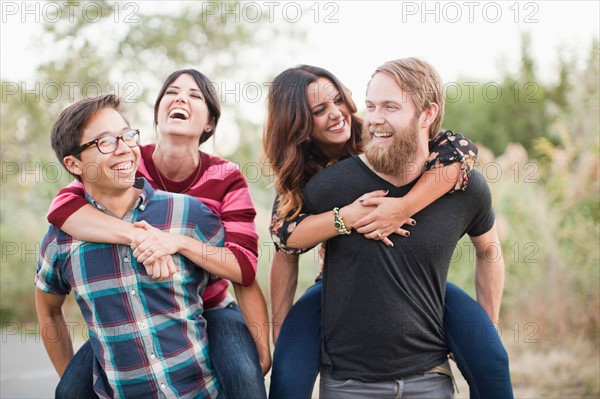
x=287, y=136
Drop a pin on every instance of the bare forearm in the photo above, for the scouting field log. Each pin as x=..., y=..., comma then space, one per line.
x=312, y=231
x=219, y=261
x=283, y=280
x=489, y=284
x=89, y=224
x=54, y=331
x=432, y=185
x=59, y=345
x=489, y=272
x=254, y=310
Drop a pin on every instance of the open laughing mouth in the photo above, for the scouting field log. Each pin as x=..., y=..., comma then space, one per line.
x=178, y=113
x=123, y=166
x=382, y=135
x=338, y=126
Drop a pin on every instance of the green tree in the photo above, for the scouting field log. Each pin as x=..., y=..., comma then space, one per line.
x=513, y=110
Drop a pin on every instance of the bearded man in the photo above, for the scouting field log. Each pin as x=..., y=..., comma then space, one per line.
x=382, y=306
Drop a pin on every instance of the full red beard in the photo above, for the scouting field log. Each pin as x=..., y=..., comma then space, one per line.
x=397, y=157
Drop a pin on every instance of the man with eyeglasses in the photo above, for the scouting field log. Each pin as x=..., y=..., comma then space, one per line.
x=148, y=335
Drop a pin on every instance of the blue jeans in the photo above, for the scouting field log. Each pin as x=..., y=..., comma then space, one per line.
x=232, y=351
x=77, y=380
x=234, y=355
x=476, y=345
x=297, y=356
x=470, y=336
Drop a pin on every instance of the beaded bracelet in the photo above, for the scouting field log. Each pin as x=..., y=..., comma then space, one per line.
x=338, y=222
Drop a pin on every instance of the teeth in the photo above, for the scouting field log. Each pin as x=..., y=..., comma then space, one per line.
x=179, y=113
x=338, y=126
x=380, y=135
x=123, y=166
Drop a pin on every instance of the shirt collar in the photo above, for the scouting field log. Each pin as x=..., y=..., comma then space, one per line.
x=145, y=195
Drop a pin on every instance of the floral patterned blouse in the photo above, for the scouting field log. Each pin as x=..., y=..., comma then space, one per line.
x=445, y=149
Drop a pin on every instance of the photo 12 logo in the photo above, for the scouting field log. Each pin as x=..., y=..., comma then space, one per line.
x=253, y=12
x=469, y=11
x=52, y=12
x=53, y=92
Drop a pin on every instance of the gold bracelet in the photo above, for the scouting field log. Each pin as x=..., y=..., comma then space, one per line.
x=338, y=222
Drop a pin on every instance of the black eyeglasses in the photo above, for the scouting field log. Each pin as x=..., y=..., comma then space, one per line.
x=108, y=144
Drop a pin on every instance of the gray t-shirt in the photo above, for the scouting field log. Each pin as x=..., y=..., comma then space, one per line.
x=382, y=308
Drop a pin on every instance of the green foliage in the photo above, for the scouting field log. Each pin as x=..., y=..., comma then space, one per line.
x=548, y=211
x=513, y=110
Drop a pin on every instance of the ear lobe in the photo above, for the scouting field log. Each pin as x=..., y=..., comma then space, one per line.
x=73, y=165
x=429, y=115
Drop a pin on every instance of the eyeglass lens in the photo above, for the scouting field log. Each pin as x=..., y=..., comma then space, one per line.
x=108, y=144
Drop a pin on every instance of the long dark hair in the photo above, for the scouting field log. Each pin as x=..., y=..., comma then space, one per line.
x=287, y=144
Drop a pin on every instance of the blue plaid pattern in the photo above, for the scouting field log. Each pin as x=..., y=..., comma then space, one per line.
x=149, y=337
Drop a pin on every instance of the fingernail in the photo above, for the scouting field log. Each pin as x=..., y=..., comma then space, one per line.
x=407, y=234
x=413, y=223
x=391, y=245
x=361, y=201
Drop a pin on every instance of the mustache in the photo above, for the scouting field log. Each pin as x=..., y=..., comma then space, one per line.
x=381, y=129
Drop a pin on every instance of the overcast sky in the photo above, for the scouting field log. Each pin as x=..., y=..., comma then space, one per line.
x=351, y=38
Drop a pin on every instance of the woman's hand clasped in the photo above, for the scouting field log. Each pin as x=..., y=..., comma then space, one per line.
x=386, y=216
x=153, y=248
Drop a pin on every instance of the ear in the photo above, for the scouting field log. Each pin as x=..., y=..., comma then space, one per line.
x=429, y=115
x=73, y=165
x=210, y=124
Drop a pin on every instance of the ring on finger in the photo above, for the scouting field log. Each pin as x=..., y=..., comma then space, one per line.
x=379, y=235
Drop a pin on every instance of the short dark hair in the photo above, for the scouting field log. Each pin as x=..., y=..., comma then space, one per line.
x=66, y=132
x=208, y=91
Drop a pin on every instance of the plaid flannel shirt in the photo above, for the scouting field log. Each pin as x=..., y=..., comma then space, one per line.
x=149, y=336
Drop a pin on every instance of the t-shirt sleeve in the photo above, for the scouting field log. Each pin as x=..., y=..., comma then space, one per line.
x=447, y=148
x=281, y=229
x=483, y=218
x=49, y=276
x=67, y=201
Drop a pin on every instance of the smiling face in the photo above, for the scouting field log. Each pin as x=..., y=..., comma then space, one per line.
x=331, y=117
x=391, y=127
x=105, y=174
x=182, y=110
